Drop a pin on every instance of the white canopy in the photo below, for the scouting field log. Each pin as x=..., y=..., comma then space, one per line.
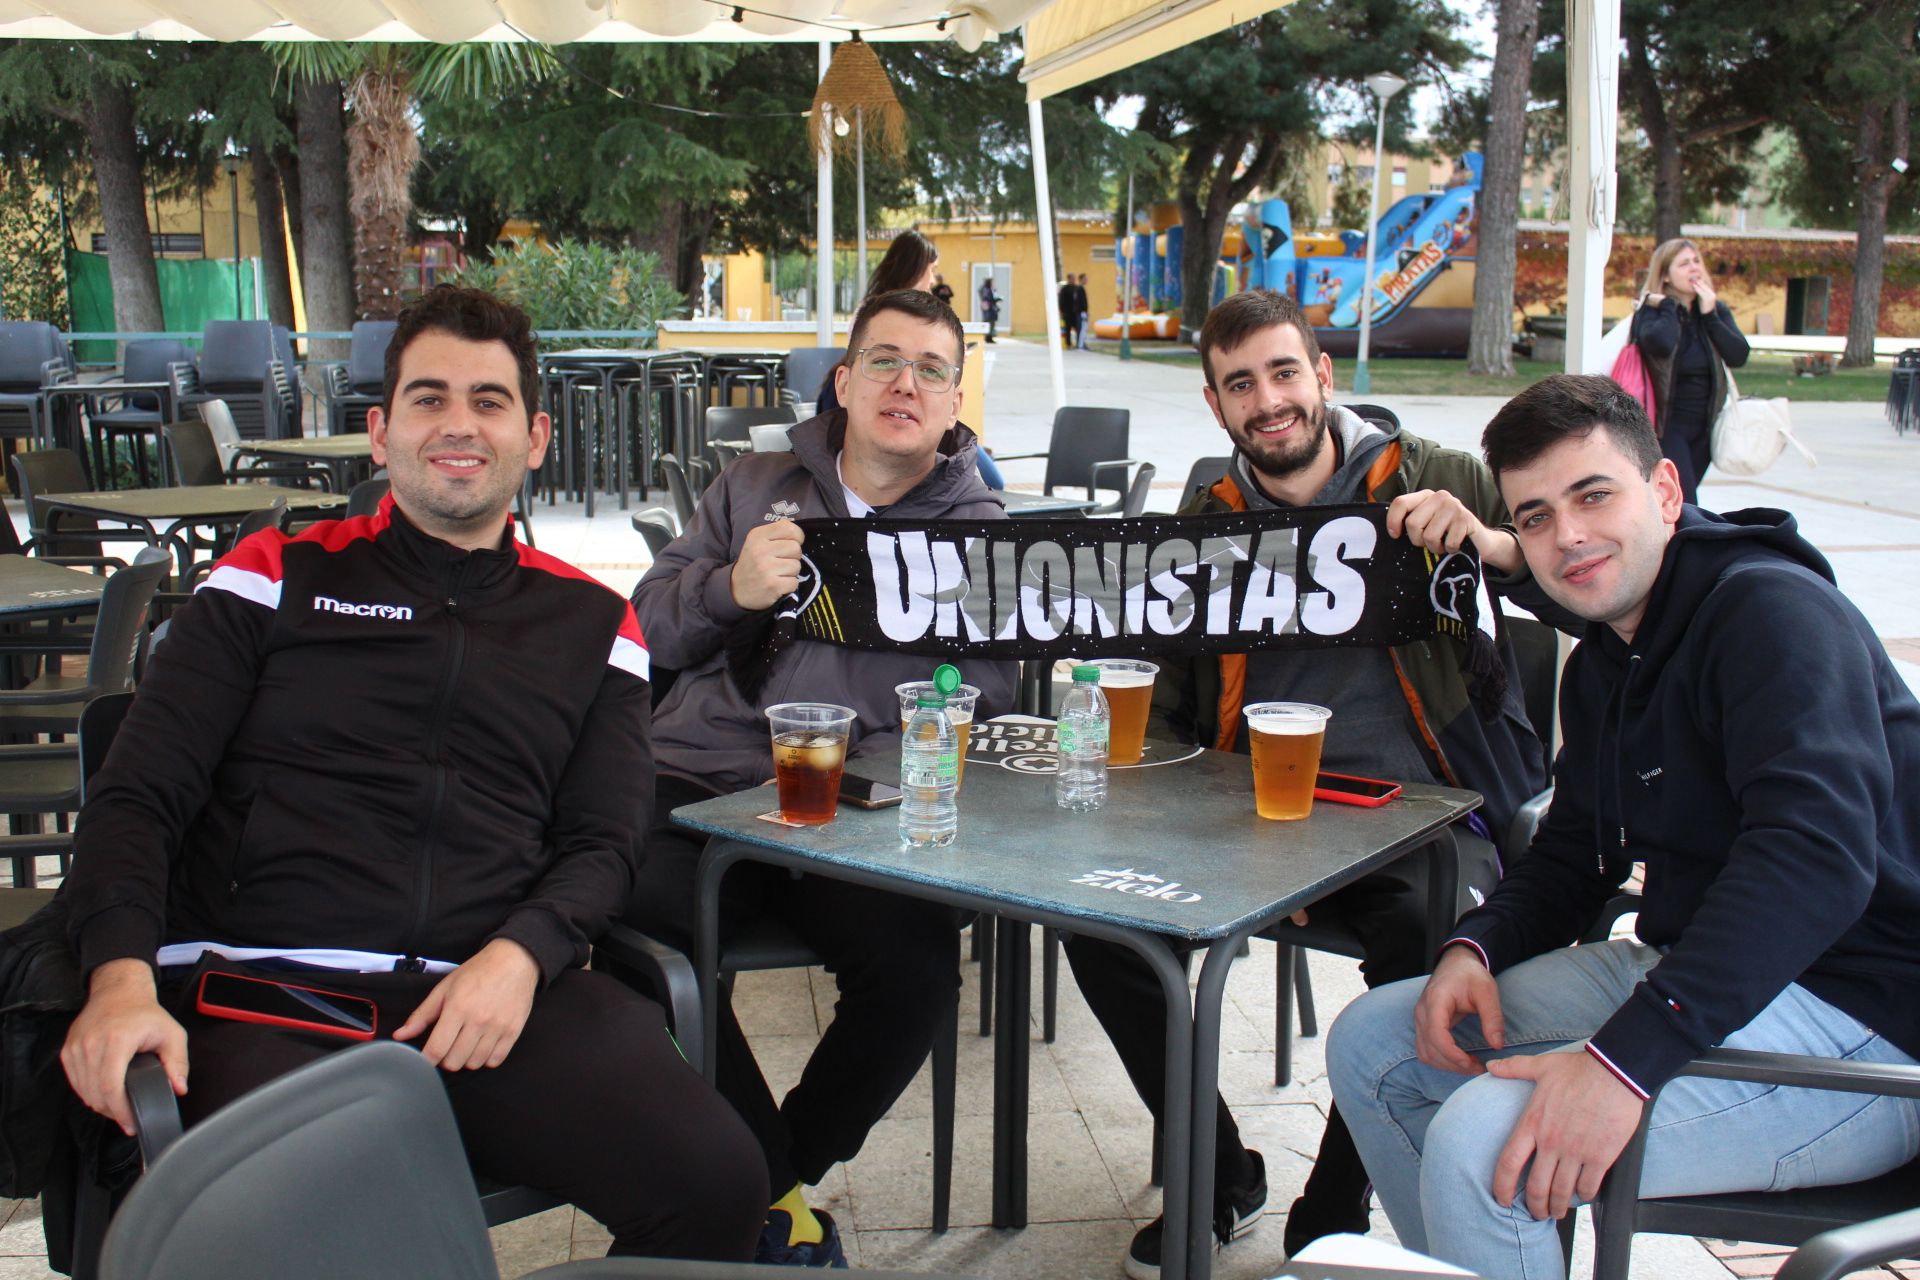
x=968, y=22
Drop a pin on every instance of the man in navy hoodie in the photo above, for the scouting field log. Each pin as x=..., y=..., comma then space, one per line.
x=1732, y=721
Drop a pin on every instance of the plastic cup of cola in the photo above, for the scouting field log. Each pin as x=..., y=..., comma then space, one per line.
x=809, y=754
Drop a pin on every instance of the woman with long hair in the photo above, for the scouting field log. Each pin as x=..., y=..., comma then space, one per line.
x=1689, y=340
x=908, y=264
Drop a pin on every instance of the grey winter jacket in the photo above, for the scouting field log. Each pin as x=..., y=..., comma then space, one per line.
x=704, y=730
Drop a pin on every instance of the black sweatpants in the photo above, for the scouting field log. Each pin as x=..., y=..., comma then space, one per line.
x=1387, y=908
x=594, y=1104
x=895, y=960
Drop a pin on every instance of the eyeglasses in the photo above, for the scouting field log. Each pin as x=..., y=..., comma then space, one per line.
x=883, y=364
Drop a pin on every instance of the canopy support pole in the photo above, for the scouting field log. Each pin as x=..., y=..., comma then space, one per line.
x=1593, y=87
x=823, y=221
x=1049, y=269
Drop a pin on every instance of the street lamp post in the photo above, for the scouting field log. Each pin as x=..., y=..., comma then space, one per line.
x=1126, y=278
x=230, y=161
x=1384, y=85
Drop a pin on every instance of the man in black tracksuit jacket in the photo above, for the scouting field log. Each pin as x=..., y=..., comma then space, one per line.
x=417, y=745
x=1732, y=722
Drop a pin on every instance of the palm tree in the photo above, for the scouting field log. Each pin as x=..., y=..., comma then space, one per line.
x=383, y=146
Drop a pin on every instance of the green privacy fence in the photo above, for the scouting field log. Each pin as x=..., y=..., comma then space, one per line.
x=192, y=292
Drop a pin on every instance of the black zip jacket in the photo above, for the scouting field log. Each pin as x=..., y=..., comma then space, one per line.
x=1757, y=750
x=366, y=738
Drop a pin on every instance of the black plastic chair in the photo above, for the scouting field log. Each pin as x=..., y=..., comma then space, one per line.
x=52, y=703
x=40, y=474
x=655, y=524
x=1088, y=449
x=806, y=370
x=364, y=498
x=1136, y=500
x=1833, y=1254
x=1202, y=476
x=194, y=457
x=679, y=489
x=240, y=363
x=349, y=1166
x=356, y=386
x=137, y=414
x=1767, y=1217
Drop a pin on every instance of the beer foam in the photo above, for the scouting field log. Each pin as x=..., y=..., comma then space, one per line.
x=1124, y=679
x=1285, y=726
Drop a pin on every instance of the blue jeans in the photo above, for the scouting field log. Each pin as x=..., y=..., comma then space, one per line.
x=1430, y=1138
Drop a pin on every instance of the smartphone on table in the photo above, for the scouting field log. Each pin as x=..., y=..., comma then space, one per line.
x=1341, y=788
x=245, y=998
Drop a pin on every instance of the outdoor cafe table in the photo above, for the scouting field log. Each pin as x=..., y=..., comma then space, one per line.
x=1177, y=854
x=33, y=589
x=345, y=456
x=1021, y=505
x=145, y=511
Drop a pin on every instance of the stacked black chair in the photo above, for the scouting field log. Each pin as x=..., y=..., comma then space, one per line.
x=33, y=357
x=356, y=386
x=243, y=363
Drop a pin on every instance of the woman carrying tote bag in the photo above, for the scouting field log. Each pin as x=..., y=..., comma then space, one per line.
x=1688, y=341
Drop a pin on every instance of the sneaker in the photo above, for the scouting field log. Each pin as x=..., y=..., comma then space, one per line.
x=1305, y=1225
x=775, y=1251
x=1234, y=1215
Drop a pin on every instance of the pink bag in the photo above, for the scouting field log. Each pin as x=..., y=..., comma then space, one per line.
x=1630, y=371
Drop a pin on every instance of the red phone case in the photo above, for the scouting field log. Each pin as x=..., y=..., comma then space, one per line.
x=249, y=1015
x=1336, y=796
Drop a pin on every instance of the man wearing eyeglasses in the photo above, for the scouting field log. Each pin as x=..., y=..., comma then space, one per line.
x=895, y=448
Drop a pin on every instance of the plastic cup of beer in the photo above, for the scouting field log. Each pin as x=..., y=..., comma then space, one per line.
x=959, y=712
x=1128, y=684
x=809, y=753
x=1285, y=738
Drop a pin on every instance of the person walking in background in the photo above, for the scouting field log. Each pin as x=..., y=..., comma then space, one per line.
x=942, y=290
x=1081, y=309
x=989, y=306
x=1069, y=311
x=1689, y=340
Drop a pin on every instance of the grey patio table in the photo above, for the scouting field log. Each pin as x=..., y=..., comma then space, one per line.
x=144, y=511
x=345, y=455
x=1176, y=855
x=1041, y=504
x=31, y=589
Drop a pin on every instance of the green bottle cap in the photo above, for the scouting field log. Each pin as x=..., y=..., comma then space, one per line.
x=946, y=678
x=935, y=699
x=1086, y=675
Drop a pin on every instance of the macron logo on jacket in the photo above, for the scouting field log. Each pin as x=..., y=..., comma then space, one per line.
x=396, y=612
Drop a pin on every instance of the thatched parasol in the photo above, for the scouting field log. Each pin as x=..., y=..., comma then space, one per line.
x=855, y=81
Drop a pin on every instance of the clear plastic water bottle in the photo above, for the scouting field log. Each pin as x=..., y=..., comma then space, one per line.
x=1081, y=740
x=930, y=768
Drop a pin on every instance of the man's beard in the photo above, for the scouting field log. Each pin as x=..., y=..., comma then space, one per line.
x=1290, y=454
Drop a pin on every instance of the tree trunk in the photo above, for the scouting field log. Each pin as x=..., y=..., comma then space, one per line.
x=269, y=215
x=1228, y=183
x=326, y=267
x=123, y=208
x=1883, y=137
x=382, y=153
x=1663, y=137
x=1490, y=346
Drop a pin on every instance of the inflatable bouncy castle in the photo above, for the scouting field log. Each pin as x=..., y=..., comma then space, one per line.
x=1423, y=271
